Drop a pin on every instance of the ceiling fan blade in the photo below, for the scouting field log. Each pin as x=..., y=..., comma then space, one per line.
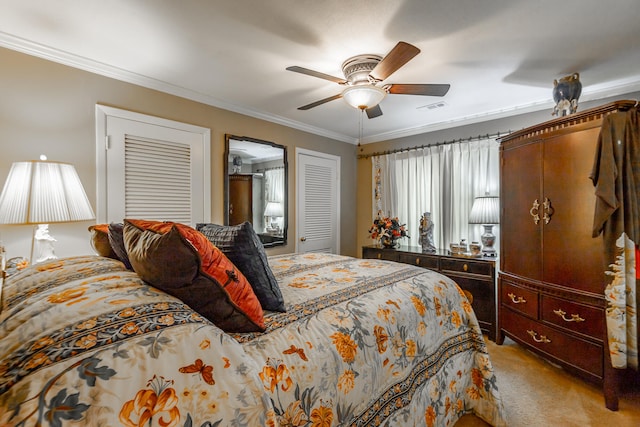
x=322, y=101
x=318, y=74
x=374, y=112
x=401, y=54
x=418, y=89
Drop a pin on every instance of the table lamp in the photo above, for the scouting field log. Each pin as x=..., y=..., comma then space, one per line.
x=486, y=211
x=272, y=211
x=40, y=193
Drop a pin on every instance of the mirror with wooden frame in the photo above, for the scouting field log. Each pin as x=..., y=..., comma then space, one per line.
x=256, y=187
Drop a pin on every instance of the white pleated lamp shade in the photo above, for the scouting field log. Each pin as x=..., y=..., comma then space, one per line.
x=39, y=192
x=485, y=210
x=274, y=209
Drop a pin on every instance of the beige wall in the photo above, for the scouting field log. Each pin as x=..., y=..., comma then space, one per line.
x=48, y=108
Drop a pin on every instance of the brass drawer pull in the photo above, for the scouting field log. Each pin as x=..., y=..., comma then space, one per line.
x=542, y=338
x=574, y=317
x=379, y=256
x=516, y=300
x=534, y=211
x=465, y=267
x=417, y=261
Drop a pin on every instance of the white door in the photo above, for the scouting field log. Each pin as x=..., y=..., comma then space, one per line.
x=318, y=202
x=151, y=168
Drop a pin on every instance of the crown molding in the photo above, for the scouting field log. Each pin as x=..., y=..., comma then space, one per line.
x=592, y=93
x=9, y=41
x=75, y=61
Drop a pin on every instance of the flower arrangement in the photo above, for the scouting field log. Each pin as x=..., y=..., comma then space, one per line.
x=388, y=230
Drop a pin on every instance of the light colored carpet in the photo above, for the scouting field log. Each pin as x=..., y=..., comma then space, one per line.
x=538, y=393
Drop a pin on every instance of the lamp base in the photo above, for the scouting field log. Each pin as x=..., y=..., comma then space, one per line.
x=42, y=245
x=488, y=239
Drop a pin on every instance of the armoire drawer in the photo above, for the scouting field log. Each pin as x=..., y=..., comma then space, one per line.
x=466, y=266
x=520, y=299
x=573, y=351
x=576, y=317
x=424, y=261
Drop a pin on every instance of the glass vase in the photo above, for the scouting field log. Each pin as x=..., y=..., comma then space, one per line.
x=389, y=242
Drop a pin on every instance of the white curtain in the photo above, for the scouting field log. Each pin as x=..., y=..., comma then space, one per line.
x=274, y=185
x=274, y=189
x=442, y=179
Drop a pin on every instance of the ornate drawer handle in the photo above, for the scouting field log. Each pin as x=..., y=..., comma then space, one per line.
x=516, y=300
x=548, y=210
x=574, y=317
x=542, y=338
x=417, y=261
x=465, y=267
x=534, y=211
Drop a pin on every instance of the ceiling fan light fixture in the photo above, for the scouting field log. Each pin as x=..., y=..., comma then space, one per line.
x=363, y=96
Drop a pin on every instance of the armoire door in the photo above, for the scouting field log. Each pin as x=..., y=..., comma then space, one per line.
x=571, y=257
x=520, y=189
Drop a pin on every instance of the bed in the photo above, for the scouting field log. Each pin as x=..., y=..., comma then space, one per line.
x=86, y=341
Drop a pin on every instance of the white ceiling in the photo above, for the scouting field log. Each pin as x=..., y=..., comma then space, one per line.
x=500, y=56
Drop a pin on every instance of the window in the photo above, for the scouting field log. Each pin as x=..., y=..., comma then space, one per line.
x=442, y=179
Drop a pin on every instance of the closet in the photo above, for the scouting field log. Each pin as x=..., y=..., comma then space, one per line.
x=551, y=280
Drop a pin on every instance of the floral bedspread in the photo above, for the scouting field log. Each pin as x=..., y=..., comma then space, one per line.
x=369, y=342
x=363, y=342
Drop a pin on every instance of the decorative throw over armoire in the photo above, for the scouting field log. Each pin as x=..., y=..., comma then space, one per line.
x=552, y=277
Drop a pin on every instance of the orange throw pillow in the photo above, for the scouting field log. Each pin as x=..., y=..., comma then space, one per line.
x=181, y=261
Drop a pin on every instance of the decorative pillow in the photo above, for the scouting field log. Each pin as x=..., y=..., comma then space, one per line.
x=242, y=246
x=116, y=239
x=100, y=241
x=182, y=262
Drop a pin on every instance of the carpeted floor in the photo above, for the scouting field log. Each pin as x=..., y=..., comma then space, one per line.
x=538, y=393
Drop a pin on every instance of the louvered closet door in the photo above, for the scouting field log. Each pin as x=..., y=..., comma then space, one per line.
x=318, y=202
x=153, y=173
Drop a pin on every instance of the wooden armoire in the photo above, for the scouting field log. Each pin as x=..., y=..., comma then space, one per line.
x=551, y=280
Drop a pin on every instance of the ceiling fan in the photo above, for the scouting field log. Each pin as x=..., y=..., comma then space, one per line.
x=362, y=75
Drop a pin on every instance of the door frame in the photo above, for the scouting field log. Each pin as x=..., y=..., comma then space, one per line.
x=102, y=112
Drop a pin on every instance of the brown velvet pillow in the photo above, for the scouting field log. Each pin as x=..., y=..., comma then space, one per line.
x=182, y=262
x=100, y=241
